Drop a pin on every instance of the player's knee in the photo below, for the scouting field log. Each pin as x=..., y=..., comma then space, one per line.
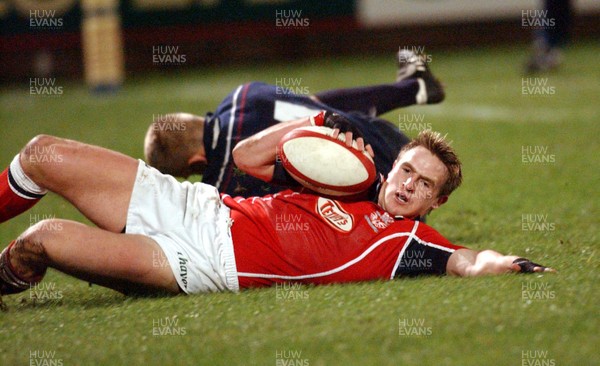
x=29, y=254
x=39, y=144
x=31, y=246
x=38, y=153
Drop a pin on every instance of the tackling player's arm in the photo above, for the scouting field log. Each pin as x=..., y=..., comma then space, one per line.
x=466, y=262
x=256, y=155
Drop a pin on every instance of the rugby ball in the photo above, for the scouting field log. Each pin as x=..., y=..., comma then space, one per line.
x=325, y=164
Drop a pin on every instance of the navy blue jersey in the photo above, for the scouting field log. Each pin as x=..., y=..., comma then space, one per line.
x=253, y=107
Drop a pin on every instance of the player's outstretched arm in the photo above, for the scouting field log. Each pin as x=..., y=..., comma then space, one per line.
x=467, y=262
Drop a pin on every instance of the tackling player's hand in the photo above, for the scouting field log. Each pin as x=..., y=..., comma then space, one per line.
x=340, y=124
x=524, y=265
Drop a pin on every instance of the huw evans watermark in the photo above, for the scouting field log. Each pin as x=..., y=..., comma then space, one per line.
x=536, y=222
x=168, y=326
x=536, y=358
x=44, y=358
x=298, y=157
x=415, y=260
x=408, y=122
x=288, y=86
x=168, y=122
x=291, y=19
x=290, y=291
x=537, y=19
x=405, y=57
x=290, y=358
x=45, y=222
x=37, y=154
x=45, y=87
x=45, y=291
x=414, y=327
x=537, y=87
x=291, y=223
x=45, y=19
x=537, y=154
x=537, y=291
x=168, y=55
x=159, y=259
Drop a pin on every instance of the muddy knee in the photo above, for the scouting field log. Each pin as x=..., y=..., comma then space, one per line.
x=28, y=255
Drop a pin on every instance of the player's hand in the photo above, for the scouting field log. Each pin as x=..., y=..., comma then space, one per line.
x=524, y=265
x=340, y=124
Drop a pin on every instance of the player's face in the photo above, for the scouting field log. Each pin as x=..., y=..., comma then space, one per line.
x=413, y=185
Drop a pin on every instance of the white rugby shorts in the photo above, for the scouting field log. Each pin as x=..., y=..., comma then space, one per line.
x=191, y=225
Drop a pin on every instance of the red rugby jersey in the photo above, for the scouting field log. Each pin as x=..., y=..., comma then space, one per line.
x=292, y=236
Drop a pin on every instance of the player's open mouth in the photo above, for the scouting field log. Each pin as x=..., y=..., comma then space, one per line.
x=402, y=198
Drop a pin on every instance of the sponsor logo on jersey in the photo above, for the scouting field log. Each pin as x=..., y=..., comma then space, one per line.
x=334, y=215
x=381, y=220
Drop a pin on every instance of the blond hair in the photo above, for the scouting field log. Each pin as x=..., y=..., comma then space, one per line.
x=171, y=140
x=438, y=146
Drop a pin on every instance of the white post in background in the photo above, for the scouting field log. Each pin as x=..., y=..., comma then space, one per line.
x=103, y=58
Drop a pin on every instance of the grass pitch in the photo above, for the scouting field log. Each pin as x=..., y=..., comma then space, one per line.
x=531, y=188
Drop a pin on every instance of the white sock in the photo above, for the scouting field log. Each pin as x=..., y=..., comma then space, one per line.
x=21, y=184
x=421, y=96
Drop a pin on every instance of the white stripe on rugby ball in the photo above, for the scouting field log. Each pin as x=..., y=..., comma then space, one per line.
x=324, y=164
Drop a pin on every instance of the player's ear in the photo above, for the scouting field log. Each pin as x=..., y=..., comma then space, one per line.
x=440, y=201
x=197, y=158
x=196, y=164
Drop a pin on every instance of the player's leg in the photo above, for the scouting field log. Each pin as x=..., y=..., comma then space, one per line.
x=561, y=11
x=18, y=193
x=124, y=262
x=415, y=85
x=372, y=100
x=96, y=180
x=549, y=41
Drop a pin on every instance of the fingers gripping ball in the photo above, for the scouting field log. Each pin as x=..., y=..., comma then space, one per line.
x=325, y=164
x=336, y=121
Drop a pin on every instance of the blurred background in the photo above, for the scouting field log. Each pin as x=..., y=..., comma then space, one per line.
x=105, y=41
